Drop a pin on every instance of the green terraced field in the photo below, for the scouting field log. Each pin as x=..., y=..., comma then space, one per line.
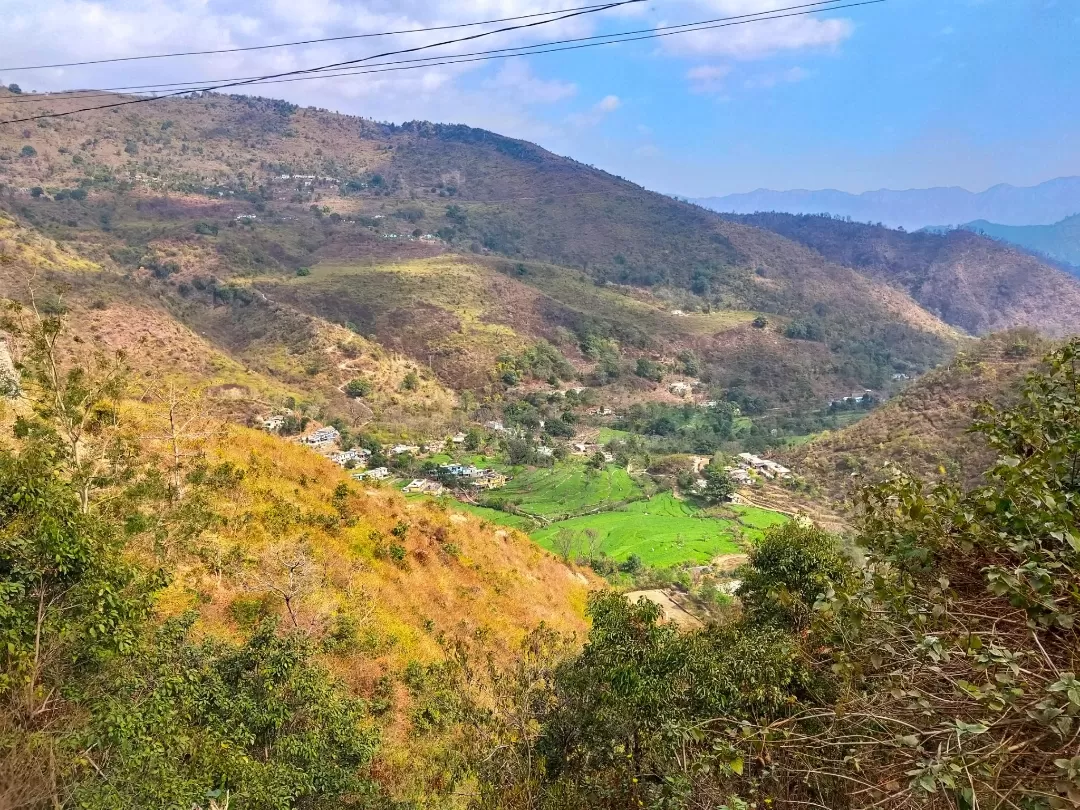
x=568, y=488
x=664, y=531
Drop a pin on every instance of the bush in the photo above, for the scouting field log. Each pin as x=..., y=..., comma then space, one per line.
x=357, y=388
x=14, y=88
x=206, y=229
x=28, y=151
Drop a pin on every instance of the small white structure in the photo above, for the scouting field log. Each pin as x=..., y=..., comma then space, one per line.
x=378, y=474
x=358, y=456
x=680, y=389
x=273, y=423
x=458, y=438
x=399, y=449
x=495, y=425
x=321, y=437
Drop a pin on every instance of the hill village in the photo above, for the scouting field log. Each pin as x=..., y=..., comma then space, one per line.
x=746, y=469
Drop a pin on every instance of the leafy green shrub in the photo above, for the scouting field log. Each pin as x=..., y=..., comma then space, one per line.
x=357, y=388
x=28, y=151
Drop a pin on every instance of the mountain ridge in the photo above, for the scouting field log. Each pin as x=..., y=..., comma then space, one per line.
x=1041, y=204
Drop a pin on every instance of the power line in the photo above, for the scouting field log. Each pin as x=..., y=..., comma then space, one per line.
x=323, y=73
x=521, y=50
x=301, y=42
x=592, y=10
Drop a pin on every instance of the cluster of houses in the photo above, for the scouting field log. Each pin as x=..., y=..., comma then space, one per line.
x=864, y=397
x=477, y=477
x=749, y=465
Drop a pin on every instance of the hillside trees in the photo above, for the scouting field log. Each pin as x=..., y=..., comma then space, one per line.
x=97, y=708
x=937, y=672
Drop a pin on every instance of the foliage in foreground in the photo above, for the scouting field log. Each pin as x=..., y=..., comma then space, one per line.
x=98, y=709
x=938, y=672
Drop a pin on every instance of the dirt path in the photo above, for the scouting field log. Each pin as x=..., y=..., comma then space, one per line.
x=673, y=612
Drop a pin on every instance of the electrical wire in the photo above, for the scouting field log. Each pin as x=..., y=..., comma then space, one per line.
x=298, y=42
x=482, y=34
x=520, y=50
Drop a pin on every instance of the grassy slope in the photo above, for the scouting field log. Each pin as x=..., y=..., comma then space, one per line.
x=924, y=429
x=517, y=200
x=569, y=488
x=665, y=531
x=968, y=280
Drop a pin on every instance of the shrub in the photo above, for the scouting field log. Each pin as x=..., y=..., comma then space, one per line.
x=357, y=388
x=14, y=88
x=28, y=151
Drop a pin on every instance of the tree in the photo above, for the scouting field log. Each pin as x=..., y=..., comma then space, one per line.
x=411, y=382
x=649, y=369
x=36, y=191
x=260, y=725
x=789, y=569
x=79, y=404
x=14, y=88
x=718, y=484
x=564, y=542
x=474, y=440
x=357, y=388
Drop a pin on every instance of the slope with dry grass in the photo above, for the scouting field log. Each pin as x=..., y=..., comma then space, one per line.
x=926, y=428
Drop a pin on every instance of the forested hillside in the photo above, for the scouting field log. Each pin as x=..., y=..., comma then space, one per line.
x=926, y=429
x=972, y=282
x=210, y=201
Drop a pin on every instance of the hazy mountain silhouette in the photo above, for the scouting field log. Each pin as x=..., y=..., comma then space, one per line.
x=1004, y=204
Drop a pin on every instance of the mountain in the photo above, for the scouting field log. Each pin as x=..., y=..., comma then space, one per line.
x=276, y=233
x=1060, y=241
x=925, y=429
x=918, y=208
x=969, y=281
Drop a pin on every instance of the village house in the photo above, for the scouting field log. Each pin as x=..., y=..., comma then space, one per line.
x=458, y=438
x=358, y=456
x=399, y=449
x=489, y=479
x=321, y=437
x=273, y=423
x=768, y=469
x=495, y=425
x=421, y=486
x=378, y=474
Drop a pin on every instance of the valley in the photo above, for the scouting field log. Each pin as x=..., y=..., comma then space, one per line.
x=373, y=426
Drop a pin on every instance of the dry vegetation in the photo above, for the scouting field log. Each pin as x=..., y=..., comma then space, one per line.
x=925, y=429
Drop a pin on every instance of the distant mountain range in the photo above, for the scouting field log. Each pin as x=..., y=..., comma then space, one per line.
x=1060, y=241
x=1043, y=204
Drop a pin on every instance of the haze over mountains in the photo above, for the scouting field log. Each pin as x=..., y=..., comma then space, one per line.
x=1005, y=204
x=1059, y=241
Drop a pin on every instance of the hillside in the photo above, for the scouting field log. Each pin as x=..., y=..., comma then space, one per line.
x=232, y=192
x=1060, y=241
x=925, y=428
x=917, y=208
x=969, y=281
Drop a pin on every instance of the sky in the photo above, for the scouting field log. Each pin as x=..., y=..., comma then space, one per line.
x=897, y=94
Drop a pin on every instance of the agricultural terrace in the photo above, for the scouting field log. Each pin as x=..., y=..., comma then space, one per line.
x=665, y=531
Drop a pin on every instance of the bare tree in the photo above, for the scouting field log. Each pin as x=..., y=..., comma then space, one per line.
x=183, y=423
x=289, y=572
x=79, y=401
x=564, y=542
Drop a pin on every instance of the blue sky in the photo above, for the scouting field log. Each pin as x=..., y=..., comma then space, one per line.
x=903, y=94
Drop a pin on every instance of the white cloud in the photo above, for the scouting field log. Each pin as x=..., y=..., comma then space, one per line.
x=516, y=77
x=707, y=78
x=608, y=104
x=753, y=39
x=767, y=80
x=595, y=114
